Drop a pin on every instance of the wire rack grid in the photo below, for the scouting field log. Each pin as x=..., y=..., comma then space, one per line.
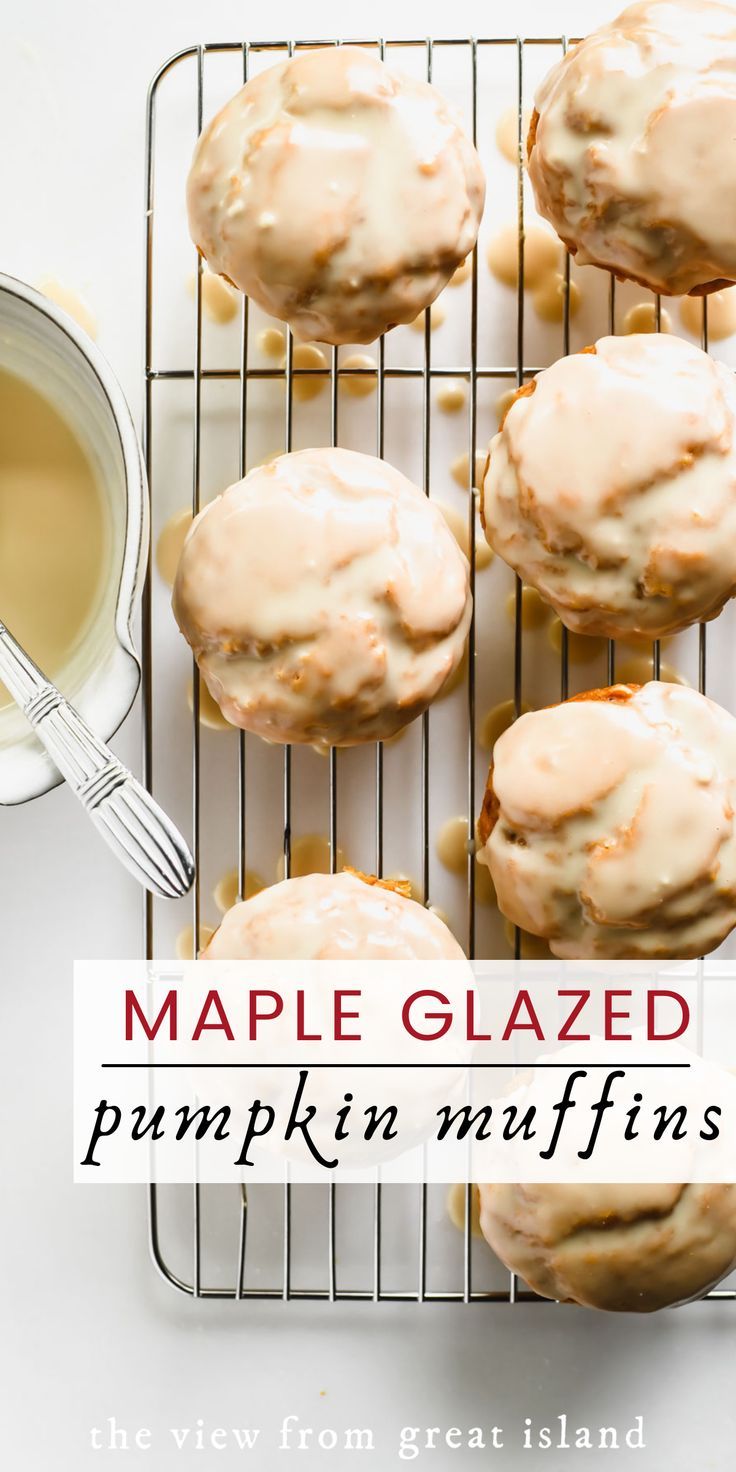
x=246, y=1278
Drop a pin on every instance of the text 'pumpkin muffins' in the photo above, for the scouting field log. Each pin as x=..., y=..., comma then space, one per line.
x=608, y=823
x=325, y=599
x=630, y=147
x=611, y=486
x=339, y=194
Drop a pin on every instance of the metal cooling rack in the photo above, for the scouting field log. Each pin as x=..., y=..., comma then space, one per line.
x=242, y=1274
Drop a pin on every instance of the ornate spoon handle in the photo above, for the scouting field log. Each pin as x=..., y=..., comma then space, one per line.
x=134, y=826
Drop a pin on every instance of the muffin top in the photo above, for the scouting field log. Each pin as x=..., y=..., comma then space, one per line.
x=337, y=193
x=331, y=917
x=611, y=486
x=631, y=146
x=608, y=824
x=624, y=1248
x=325, y=598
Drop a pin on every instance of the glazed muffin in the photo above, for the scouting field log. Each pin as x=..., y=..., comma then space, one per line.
x=346, y=916
x=626, y=1248
x=339, y=194
x=611, y=486
x=630, y=146
x=325, y=599
x=342, y=917
x=608, y=823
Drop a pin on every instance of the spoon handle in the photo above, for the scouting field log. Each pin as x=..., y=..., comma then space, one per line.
x=134, y=826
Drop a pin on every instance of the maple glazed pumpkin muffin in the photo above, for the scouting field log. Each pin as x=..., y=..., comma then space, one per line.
x=608, y=823
x=630, y=147
x=338, y=193
x=332, y=916
x=325, y=599
x=624, y=1248
x=611, y=486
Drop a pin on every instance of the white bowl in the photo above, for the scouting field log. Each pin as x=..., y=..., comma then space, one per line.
x=41, y=343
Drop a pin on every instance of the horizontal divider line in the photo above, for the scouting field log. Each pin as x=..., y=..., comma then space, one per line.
x=456, y=1063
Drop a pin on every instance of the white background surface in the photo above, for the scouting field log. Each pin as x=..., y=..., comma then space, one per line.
x=88, y=1330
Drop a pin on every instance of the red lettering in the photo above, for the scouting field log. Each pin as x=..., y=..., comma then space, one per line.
x=212, y=1003
x=565, y=1035
x=472, y=1035
x=133, y=1008
x=666, y=1037
x=533, y=1025
x=341, y=1017
x=255, y=1015
x=444, y=1018
x=612, y=1017
x=301, y=1035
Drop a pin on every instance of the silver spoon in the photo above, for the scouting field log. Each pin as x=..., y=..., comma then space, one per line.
x=133, y=825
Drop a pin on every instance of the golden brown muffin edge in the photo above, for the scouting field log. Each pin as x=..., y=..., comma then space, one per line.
x=611, y=694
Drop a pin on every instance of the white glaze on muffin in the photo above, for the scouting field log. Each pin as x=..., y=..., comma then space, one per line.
x=611, y=486
x=325, y=598
x=608, y=823
x=631, y=151
x=337, y=193
x=331, y=917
